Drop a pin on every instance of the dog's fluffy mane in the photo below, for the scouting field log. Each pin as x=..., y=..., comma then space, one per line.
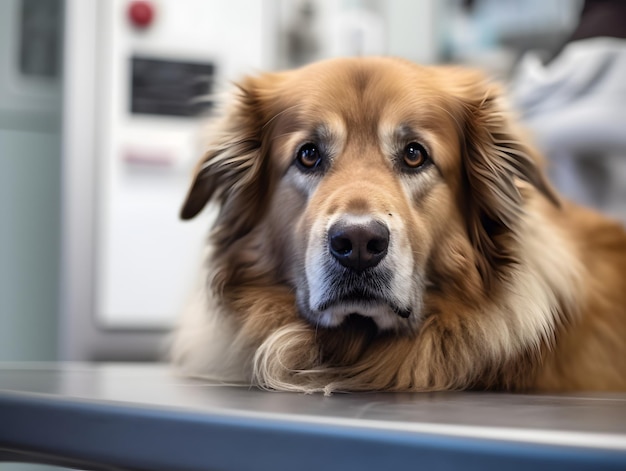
x=530, y=294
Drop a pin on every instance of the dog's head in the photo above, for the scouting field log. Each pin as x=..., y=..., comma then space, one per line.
x=365, y=185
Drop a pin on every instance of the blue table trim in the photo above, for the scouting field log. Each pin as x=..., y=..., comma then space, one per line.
x=104, y=435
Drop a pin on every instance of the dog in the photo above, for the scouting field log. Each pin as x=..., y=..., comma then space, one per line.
x=385, y=226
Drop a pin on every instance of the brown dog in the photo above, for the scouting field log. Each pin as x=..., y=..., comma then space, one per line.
x=385, y=226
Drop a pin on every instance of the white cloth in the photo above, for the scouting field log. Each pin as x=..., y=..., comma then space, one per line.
x=575, y=105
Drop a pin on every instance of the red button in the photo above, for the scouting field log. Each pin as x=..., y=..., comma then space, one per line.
x=141, y=14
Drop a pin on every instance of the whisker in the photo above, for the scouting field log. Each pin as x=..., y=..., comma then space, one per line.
x=278, y=114
x=278, y=136
x=454, y=118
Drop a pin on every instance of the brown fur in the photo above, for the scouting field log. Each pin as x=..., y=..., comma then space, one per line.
x=509, y=287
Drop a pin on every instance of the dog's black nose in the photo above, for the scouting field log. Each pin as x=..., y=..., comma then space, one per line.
x=358, y=246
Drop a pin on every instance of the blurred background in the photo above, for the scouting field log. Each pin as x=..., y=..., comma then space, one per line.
x=101, y=102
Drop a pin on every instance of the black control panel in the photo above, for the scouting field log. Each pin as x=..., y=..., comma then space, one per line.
x=170, y=88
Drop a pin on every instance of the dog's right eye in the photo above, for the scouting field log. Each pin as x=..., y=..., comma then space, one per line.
x=415, y=156
x=308, y=157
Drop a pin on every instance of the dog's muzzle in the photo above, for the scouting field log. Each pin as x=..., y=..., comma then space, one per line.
x=357, y=265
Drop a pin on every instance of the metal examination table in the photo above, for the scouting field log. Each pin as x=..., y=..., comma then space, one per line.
x=143, y=417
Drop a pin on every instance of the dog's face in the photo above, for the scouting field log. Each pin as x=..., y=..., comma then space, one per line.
x=364, y=185
x=367, y=158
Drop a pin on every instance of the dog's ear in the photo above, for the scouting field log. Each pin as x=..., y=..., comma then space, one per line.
x=231, y=170
x=496, y=158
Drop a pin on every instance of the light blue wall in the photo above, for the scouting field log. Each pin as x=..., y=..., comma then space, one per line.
x=30, y=164
x=30, y=190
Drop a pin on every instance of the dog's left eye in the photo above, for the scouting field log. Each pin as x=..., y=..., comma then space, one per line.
x=308, y=157
x=415, y=155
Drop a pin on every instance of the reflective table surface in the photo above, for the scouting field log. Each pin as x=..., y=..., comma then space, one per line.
x=144, y=416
